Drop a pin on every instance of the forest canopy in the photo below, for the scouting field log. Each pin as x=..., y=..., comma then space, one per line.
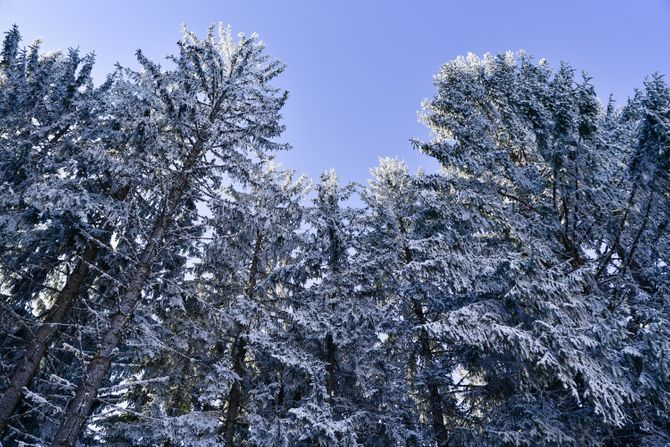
x=165, y=282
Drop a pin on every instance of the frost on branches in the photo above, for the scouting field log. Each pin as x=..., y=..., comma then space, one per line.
x=164, y=282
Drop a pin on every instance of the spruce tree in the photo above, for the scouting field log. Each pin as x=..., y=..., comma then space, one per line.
x=208, y=115
x=58, y=198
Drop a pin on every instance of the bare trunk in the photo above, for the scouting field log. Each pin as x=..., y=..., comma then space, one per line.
x=235, y=394
x=334, y=264
x=617, y=238
x=27, y=368
x=436, y=407
x=79, y=408
x=627, y=257
x=330, y=365
x=29, y=365
x=281, y=394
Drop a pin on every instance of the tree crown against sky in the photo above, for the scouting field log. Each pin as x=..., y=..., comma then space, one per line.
x=165, y=282
x=377, y=56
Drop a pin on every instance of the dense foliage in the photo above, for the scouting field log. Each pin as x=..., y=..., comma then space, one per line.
x=165, y=283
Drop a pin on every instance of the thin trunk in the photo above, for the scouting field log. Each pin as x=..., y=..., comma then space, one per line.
x=330, y=365
x=282, y=392
x=253, y=268
x=29, y=365
x=235, y=393
x=634, y=269
x=334, y=264
x=617, y=238
x=436, y=406
x=628, y=261
x=643, y=226
x=553, y=190
x=27, y=368
x=79, y=408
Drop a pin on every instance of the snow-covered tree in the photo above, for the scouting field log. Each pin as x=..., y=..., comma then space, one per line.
x=164, y=282
x=211, y=372
x=542, y=347
x=58, y=200
x=209, y=116
x=633, y=265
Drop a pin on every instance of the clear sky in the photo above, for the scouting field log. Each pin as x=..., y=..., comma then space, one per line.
x=358, y=70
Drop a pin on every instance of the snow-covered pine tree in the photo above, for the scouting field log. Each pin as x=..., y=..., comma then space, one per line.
x=515, y=144
x=57, y=199
x=518, y=297
x=264, y=361
x=211, y=370
x=414, y=261
x=326, y=327
x=633, y=264
x=209, y=116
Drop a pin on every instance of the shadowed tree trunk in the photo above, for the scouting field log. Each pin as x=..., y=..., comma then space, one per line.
x=330, y=365
x=235, y=394
x=29, y=364
x=79, y=408
x=334, y=261
x=239, y=352
x=436, y=408
x=435, y=399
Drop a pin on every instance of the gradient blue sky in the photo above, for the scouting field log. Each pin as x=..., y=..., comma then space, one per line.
x=358, y=70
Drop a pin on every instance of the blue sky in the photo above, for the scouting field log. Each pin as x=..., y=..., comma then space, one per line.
x=358, y=70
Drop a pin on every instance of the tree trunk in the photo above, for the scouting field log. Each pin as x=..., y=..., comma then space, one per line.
x=436, y=407
x=27, y=368
x=25, y=371
x=330, y=365
x=235, y=394
x=239, y=352
x=79, y=408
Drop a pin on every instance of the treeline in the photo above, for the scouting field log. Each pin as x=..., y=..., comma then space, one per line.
x=165, y=283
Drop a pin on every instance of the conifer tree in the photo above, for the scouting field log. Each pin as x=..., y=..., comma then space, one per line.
x=208, y=116
x=58, y=197
x=540, y=345
x=164, y=282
